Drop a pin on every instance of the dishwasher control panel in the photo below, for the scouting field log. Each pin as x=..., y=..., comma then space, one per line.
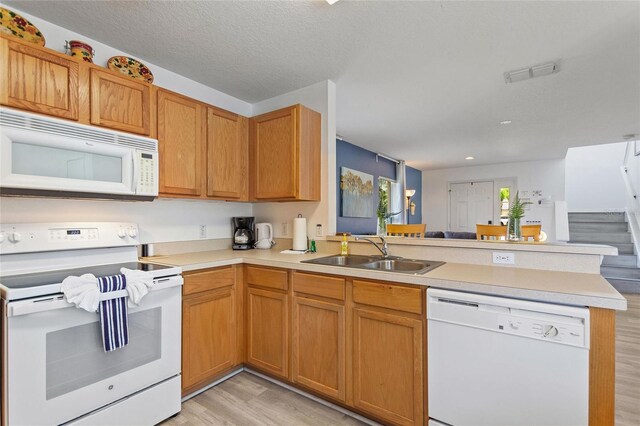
x=560, y=329
x=568, y=325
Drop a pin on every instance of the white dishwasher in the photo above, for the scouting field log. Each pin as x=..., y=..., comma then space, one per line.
x=497, y=361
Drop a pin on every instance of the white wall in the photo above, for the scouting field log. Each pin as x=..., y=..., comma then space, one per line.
x=160, y=220
x=179, y=220
x=633, y=171
x=593, y=178
x=319, y=97
x=56, y=35
x=547, y=176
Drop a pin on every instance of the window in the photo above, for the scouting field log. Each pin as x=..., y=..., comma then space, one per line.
x=504, y=205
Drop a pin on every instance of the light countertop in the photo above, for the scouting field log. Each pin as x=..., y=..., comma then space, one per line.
x=547, y=286
x=541, y=247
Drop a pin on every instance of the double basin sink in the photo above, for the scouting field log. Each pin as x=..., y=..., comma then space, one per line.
x=378, y=263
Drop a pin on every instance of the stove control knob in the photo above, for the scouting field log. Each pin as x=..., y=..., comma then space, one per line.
x=133, y=232
x=2, y=237
x=122, y=233
x=15, y=237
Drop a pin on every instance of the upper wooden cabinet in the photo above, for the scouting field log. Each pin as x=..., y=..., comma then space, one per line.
x=285, y=155
x=227, y=155
x=120, y=103
x=38, y=80
x=181, y=140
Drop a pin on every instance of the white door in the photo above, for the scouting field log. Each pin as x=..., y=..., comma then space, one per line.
x=470, y=203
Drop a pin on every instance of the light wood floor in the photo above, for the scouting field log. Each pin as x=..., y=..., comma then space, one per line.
x=628, y=363
x=249, y=400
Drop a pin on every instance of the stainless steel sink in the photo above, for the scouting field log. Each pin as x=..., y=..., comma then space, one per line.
x=339, y=260
x=378, y=263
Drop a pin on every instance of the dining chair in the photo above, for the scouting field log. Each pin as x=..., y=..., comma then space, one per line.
x=531, y=231
x=491, y=232
x=416, y=230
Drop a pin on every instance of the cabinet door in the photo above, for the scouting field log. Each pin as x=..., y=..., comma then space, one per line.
x=208, y=335
x=36, y=80
x=274, y=144
x=319, y=346
x=387, y=366
x=181, y=136
x=227, y=155
x=120, y=103
x=268, y=331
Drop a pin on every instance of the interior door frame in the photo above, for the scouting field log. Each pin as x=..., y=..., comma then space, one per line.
x=497, y=183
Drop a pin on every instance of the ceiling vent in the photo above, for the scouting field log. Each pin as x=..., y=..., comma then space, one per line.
x=531, y=72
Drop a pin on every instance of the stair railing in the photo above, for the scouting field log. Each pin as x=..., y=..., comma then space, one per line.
x=632, y=209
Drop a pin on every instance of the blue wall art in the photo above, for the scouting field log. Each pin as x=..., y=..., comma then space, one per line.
x=357, y=193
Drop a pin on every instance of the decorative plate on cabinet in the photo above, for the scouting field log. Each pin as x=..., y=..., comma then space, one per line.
x=14, y=24
x=131, y=67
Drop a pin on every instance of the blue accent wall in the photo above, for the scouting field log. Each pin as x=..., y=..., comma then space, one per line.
x=362, y=160
x=414, y=181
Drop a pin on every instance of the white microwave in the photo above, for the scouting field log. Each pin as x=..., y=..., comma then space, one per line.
x=43, y=156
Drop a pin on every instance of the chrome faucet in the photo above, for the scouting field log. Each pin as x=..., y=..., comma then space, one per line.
x=383, y=248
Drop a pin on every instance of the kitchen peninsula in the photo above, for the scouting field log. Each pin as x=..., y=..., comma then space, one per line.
x=318, y=328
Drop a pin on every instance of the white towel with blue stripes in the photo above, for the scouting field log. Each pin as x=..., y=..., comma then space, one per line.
x=113, y=313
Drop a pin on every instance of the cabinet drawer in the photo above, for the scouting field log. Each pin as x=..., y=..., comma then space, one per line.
x=209, y=280
x=270, y=278
x=388, y=296
x=319, y=285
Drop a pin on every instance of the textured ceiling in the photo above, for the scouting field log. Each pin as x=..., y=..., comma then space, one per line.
x=416, y=80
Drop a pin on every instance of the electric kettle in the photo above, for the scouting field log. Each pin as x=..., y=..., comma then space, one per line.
x=264, y=236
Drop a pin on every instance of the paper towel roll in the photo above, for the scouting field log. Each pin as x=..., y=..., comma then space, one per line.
x=300, y=233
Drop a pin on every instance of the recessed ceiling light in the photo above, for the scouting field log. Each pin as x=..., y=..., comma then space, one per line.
x=469, y=158
x=505, y=122
x=332, y=1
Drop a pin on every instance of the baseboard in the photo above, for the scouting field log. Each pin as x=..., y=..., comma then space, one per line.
x=313, y=397
x=212, y=384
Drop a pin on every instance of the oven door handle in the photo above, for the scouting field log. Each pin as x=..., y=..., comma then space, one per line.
x=50, y=303
x=42, y=304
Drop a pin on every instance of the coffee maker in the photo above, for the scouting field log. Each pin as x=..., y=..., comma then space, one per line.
x=243, y=233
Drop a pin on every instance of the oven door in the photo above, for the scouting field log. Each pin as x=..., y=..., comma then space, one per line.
x=41, y=161
x=58, y=370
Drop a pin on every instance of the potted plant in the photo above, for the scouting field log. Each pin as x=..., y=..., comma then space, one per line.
x=516, y=213
x=383, y=202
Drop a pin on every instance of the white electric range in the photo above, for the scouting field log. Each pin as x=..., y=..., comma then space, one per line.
x=55, y=370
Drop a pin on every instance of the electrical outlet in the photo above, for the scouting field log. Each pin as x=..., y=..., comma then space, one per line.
x=504, y=258
x=203, y=231
x=285, y=229
x=319, y=230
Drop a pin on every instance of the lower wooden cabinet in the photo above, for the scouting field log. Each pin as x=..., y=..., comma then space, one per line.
x=209, y=332
x=268, y=331
x=359, y=343
x=318, y=346
x=388, y=369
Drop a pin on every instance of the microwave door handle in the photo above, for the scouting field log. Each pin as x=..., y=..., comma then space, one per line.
x=134, y=181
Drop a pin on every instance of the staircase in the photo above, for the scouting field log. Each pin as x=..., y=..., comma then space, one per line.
x=610, y=229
